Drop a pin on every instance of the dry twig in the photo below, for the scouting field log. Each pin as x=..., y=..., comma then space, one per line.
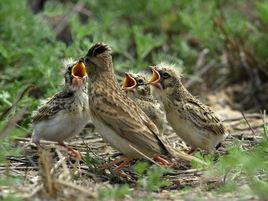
x=50, y=187
x=19, y=96
x=248, y=124
x=12, y=123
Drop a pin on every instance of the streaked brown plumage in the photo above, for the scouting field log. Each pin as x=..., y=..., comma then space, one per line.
x=193, y=121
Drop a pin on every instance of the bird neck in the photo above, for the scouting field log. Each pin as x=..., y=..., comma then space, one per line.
x=103, y=78
x=180, y=92
x=67, y=90
x=146, y=98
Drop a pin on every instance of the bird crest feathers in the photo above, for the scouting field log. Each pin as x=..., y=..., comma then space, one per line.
x=170, y=67
x=68, y=62
x=99, y=48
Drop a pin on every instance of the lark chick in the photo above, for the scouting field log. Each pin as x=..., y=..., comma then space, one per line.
x=140, y=92
x=120, y=120
x=66, y=113
x=193, y=121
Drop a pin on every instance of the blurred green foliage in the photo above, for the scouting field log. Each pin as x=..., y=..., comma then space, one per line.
x=151, y=180
x=115, y=193
x=242, y=167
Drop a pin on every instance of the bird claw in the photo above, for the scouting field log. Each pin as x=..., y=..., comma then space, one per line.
x=121, y=173
x=163, y=162
x=73, y=153
x=118, y=169
x=110, y=165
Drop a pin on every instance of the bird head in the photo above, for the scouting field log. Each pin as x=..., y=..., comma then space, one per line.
x=135, y=84
x=75, y=76
x=164, y=78
x=98, y=59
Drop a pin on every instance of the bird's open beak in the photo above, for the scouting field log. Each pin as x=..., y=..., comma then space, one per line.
x=79, y=70
x=129, y=82
x=79, y=73
x=156, y=79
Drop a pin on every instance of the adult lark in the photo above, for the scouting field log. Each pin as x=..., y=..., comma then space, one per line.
x=193, y=121
x=140, y=92
x=66, y=113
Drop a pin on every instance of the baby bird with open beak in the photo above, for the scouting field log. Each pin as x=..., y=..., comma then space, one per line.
x=66, y=113
x=137, y=89
x=193, y=121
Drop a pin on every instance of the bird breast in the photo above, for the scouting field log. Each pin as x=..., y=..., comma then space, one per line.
x=113, y=138
x=63, y=126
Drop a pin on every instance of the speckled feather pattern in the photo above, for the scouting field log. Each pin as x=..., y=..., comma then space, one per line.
x=60, y=101
x=192, y=120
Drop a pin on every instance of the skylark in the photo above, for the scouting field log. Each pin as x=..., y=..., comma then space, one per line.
x=140, y=92
x=119, y=119
x=66, y=113
x=193, y=121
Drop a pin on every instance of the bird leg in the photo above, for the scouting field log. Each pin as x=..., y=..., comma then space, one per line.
x=73, y=153
x=121, y=166
x=162, y=161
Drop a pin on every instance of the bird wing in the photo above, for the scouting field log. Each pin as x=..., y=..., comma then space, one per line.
x=125, y=117
x=57, y=103
x=202, y=116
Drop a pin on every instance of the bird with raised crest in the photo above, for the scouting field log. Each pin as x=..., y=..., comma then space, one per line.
x=192, y=120
x=120, y=120
x=66, y=113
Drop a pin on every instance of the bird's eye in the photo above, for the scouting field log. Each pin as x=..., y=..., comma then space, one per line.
x=140, y=81
x=165, y=75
